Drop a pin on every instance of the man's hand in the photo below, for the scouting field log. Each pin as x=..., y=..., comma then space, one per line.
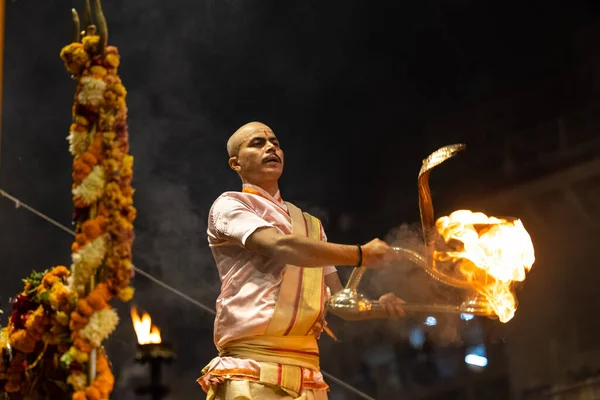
x=376, y=254
x=392, y=305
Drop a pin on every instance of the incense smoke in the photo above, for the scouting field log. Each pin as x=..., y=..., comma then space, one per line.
x=411, y=283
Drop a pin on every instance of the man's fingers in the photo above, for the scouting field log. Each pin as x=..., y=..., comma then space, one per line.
x=399, y=310
x=392, y=305
x=391, y=310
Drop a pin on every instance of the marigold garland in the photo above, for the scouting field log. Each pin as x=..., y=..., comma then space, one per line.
x=37, y=330
x=55, y=322
x=103, y=199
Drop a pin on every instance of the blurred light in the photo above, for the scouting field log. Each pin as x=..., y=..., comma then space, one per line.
x=476, y=355
x=474, y=359
x=416, y=337
x=466, y=317
x=430, y=321
x=478, y=350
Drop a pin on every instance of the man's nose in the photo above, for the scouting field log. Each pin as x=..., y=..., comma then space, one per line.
x=270, y=147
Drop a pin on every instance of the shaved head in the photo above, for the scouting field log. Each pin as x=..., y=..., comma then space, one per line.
x=256, y=156
x=236, y=140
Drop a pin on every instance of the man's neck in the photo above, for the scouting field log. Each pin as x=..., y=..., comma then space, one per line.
x=270, y=187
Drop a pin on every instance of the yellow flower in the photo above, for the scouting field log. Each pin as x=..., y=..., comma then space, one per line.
x=121, y=103
x=113, y=60
x=98, y=70
x=81, y=120
x=112, y=191
x=110, y=97
x=75, y=57
x=126, y=294
x=90, y=44
x=119, y=89
x=77, y=355
x=108, y=136
x=126, y=167
x=62, y=318
x=4, y=338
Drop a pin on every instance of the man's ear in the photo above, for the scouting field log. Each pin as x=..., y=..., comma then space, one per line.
x=234, y=163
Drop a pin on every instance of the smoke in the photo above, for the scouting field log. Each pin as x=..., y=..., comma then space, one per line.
x=412, y=284
x=170, y=245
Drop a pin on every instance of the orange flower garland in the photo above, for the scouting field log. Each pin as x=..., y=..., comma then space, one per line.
x=96, y=301
x=38, y=326
x=104, y=211
x=102, y=385
x=56, y=323
x=100, y=109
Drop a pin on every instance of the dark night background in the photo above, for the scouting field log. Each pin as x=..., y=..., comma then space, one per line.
x=358, y=92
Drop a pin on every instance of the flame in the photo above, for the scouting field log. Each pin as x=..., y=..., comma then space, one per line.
x=144, y=330
x=491, y=253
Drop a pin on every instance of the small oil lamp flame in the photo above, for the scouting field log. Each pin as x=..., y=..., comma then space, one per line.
x=151, y=350
x=144, y=330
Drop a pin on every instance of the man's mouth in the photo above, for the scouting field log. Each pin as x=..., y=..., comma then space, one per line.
x=271, y=158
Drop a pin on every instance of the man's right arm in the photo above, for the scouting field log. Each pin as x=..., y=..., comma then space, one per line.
x=309, y=253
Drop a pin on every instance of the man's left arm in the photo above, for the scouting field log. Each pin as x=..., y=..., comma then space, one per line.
x=332, y=279
x=333, y=282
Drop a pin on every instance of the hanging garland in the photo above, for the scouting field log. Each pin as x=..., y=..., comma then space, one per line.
x=61, y=318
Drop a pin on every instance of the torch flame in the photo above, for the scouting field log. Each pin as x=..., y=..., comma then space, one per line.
x=494, y=253
x=144, y=330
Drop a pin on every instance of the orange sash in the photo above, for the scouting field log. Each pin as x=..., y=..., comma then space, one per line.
x=281, y=358
x=300, y=302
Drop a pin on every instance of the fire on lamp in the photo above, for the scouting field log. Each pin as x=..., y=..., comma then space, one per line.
x=144, y=330
x=151, y=350
x=489, y=253
x=481, y=255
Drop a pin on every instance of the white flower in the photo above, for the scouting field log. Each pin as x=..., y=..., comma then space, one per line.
x=92, y=91
x=86, y=261
x=100, y=325
x=78, y=380
x=78, y=142
x=92, y=186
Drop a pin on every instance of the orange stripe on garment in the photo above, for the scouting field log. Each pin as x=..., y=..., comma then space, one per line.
x=235, y=371
x=322, y=292
x=279, y=373
x=299, y=290
x=296, y=306
x=308, y=353
x=311, y=304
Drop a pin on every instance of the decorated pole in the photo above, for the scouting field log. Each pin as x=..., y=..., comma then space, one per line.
x=102, y=195
x=2, y=28
x=52, y=345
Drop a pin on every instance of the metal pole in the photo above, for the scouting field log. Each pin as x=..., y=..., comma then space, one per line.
x=2, y=29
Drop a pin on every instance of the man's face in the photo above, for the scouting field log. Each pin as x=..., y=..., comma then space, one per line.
x=259, y=157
